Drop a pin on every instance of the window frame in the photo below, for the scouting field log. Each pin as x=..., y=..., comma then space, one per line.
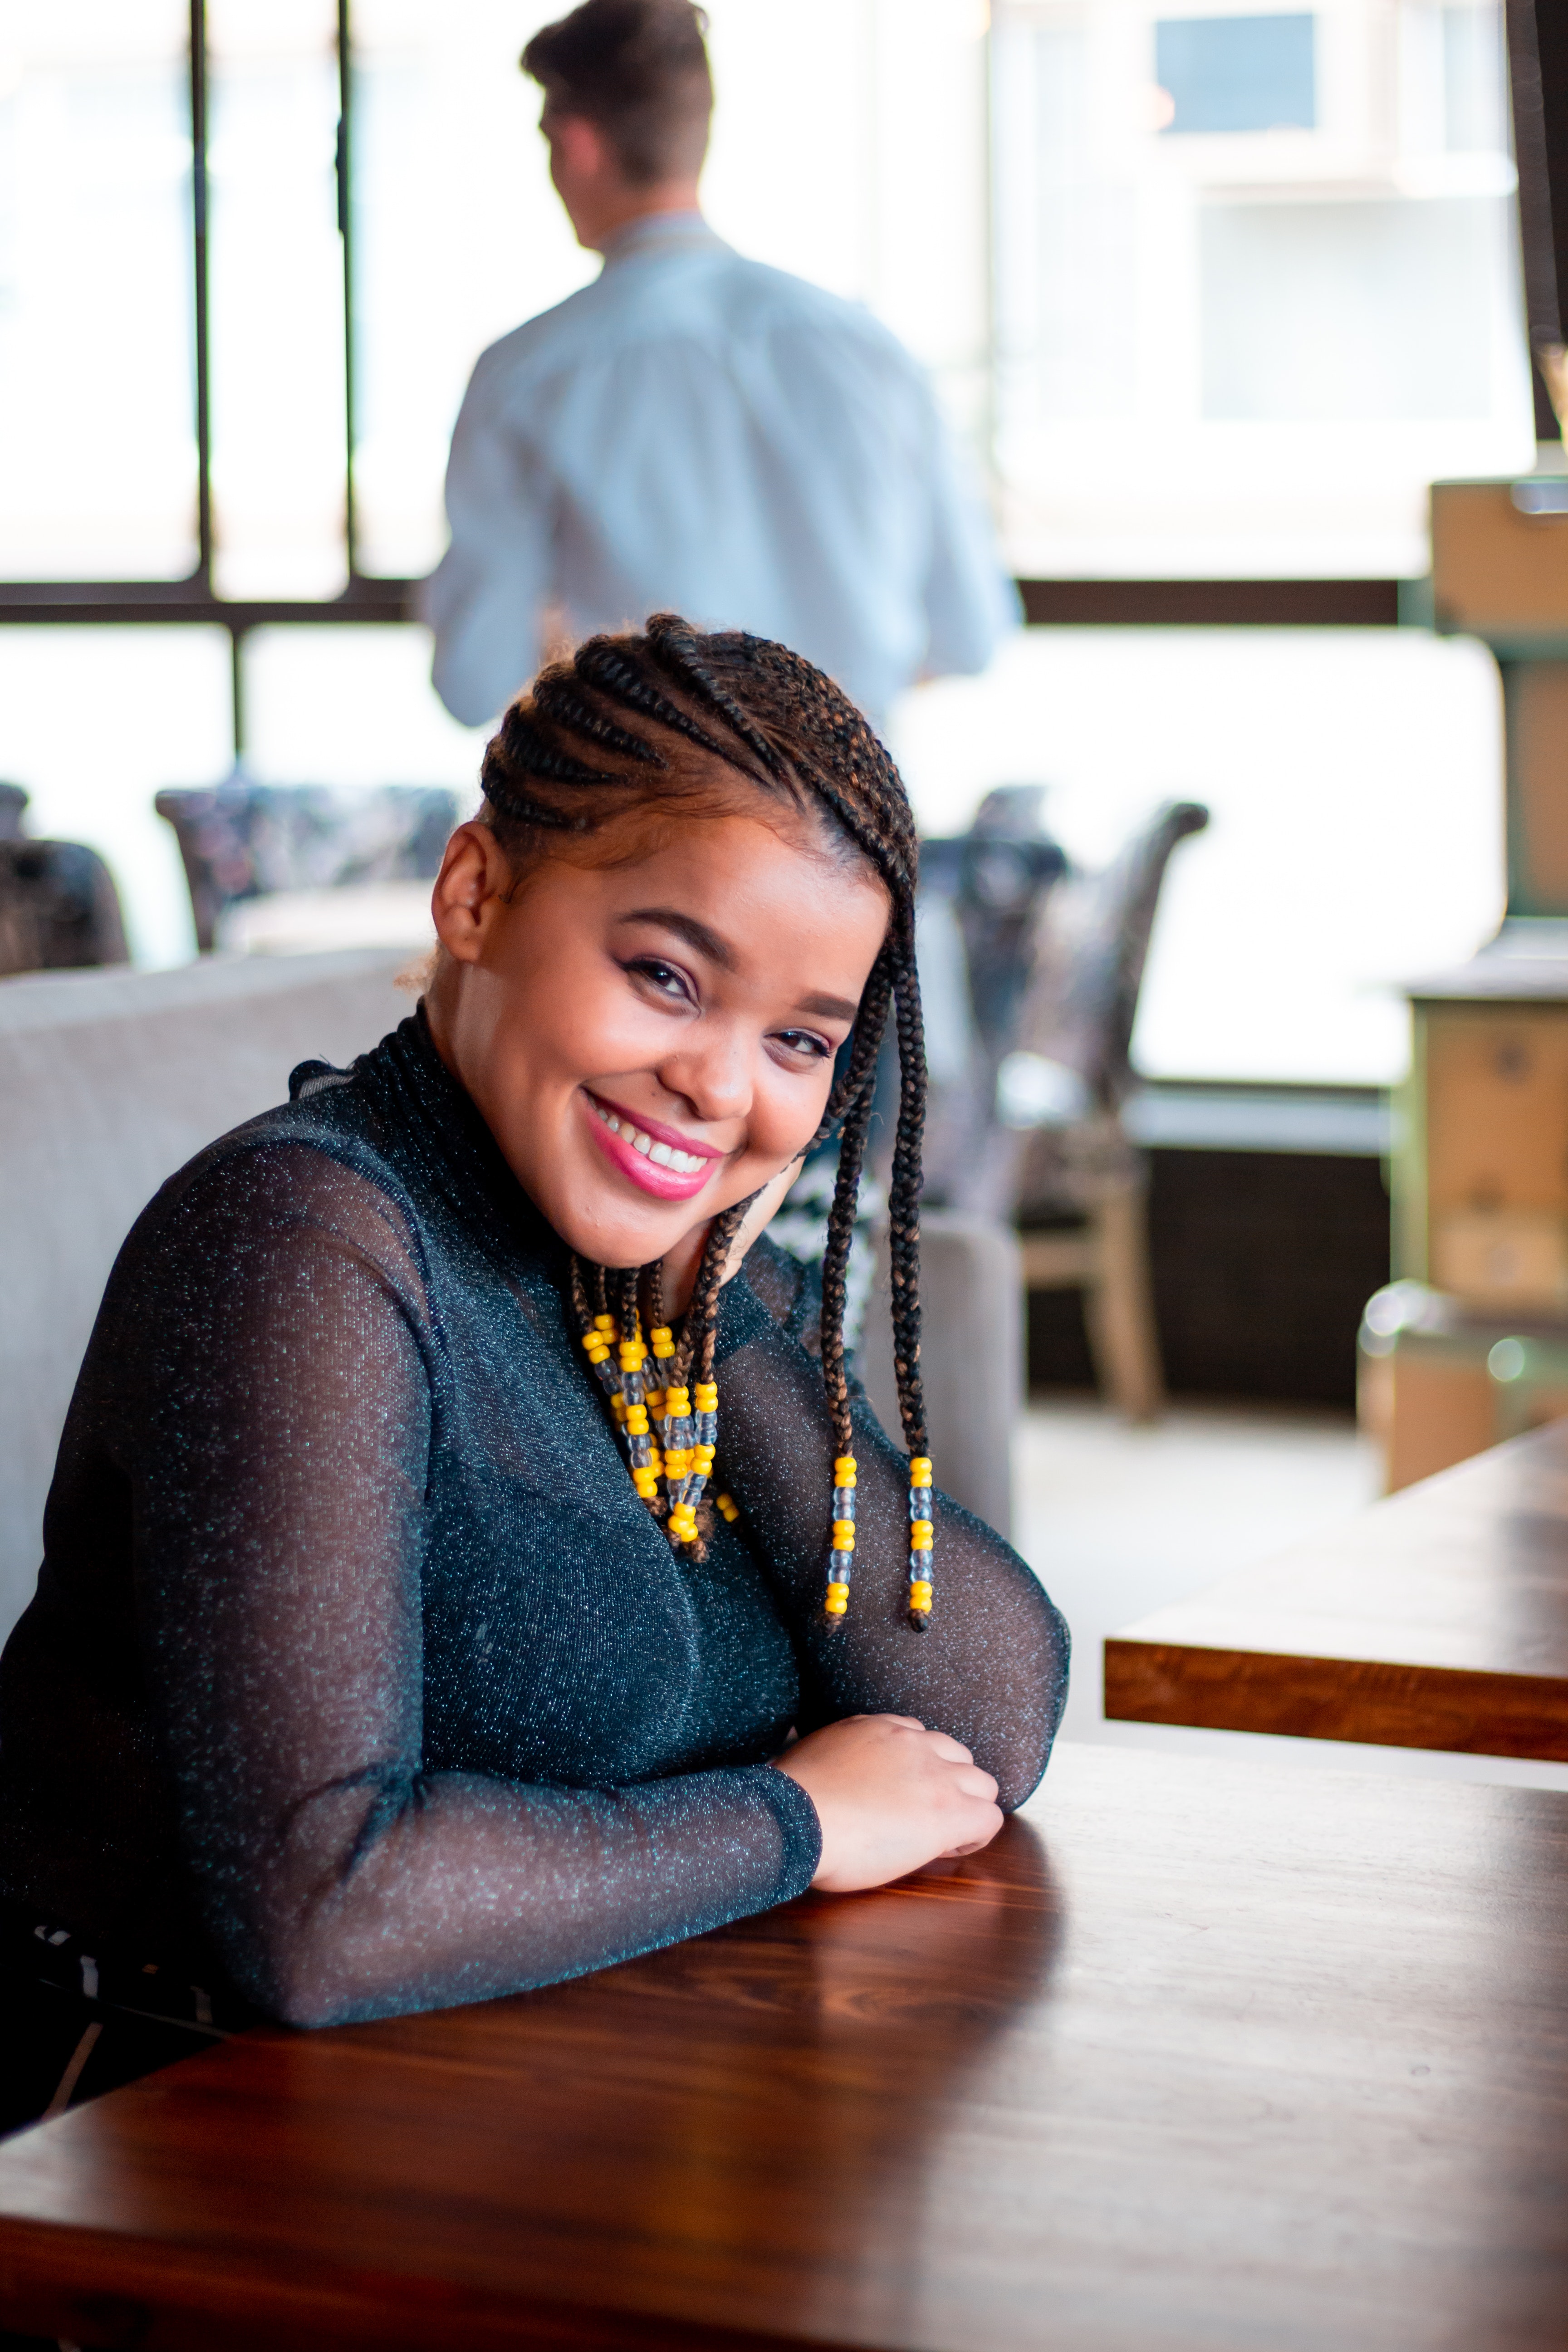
x=1538, y=62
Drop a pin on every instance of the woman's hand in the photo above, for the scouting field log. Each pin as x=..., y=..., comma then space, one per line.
x=889, y=1795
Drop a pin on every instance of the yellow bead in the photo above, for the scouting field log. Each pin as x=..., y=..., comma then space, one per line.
x=920, y=1535
x=605, y=1323
x=837, y=1591
x=919, y=1471
x=920, y=1586
x=637, y=1421
x=843, y=1470
x=663, y=1340
x=677, y=1401
x=707, y=1396
x=843, y=1534
x=836, y=1608
x=728, y=1507
x=704, y=1456
x=618, y=1407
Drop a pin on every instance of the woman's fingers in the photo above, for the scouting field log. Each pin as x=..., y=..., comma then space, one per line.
x=890, y=1795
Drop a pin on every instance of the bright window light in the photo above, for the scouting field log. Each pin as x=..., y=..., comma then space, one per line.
x=1257, y=283
x=98, y=455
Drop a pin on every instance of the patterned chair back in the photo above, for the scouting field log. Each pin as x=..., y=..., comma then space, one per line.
x=246, y=841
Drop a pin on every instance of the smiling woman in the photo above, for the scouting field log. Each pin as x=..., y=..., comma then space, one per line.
x=387, y=1652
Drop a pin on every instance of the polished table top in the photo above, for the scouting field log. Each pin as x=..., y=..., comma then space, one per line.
x=1436, y=1619
x=1194, y=2056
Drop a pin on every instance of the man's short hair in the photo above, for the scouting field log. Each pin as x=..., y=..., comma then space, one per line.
x=639, y=71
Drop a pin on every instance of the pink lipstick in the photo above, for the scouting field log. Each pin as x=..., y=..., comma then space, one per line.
x=657, y=1159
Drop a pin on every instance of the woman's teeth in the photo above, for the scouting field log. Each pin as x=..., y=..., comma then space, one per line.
x=685, y=1163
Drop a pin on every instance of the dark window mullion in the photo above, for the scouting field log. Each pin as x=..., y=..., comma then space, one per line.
x=346, y=231
x=200, y=306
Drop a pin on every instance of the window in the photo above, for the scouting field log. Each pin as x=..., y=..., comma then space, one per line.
x=98, y=446
x=1235, y=73
x=1257, y=283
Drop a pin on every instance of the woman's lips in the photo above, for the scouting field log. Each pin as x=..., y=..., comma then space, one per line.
x=654, y=1164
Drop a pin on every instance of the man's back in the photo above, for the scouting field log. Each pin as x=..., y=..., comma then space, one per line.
x=698, y=432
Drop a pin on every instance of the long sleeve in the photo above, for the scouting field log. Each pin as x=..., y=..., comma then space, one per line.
x=485, y=599
x=991, y=1669
x=280, y=1469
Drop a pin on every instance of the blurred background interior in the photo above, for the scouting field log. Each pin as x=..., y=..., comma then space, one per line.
x=1215, y=295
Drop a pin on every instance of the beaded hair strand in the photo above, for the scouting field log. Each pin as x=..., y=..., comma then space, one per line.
x=567, y=759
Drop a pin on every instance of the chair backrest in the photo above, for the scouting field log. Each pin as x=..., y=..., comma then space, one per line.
x=111, y=1081
x=1089, y=953
x=979, y=909
x=58, y=907
x=244, y=841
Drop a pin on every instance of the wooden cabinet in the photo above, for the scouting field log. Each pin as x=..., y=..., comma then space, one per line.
x=1476, y=1346
x=1481, y=1171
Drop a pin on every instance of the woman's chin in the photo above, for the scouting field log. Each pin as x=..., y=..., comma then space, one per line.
x=614, y=1231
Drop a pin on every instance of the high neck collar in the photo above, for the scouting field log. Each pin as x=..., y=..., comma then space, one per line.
x=440, y=1131
x=660, y=233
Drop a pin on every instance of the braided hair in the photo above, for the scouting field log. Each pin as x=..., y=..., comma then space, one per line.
x=636, y=722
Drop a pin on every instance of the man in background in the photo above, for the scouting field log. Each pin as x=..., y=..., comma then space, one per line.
x=693, y=431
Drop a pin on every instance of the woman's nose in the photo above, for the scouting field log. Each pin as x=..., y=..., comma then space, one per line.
x=713, y=1077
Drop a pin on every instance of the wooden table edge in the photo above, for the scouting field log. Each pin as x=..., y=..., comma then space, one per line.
x=1371, y=1702
x=171, y=2296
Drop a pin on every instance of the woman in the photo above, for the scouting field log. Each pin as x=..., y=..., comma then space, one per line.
x=400, y=1640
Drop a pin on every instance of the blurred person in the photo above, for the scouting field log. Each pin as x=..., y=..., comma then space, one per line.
x=695, y=429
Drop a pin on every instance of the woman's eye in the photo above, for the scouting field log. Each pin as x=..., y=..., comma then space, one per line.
x=662, y=976
x=806, y=1042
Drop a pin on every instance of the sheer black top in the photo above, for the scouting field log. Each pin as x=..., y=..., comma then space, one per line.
x=357, y=1669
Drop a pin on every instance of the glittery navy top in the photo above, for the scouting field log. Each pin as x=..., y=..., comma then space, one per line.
x=358, y=1673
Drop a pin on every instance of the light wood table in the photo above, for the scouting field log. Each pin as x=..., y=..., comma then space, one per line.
x=1193, y=2057
x=1437, y=1618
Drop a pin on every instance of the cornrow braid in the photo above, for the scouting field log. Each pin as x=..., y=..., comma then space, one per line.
x=594, y=741
x=678, y=649
x=555, y=698
x=527, y=751
x=601, y=663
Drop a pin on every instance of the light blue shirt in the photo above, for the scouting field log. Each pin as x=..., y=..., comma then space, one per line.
x=700, y=434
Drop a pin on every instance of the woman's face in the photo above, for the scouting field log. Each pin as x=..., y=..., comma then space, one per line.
x=651, y=1042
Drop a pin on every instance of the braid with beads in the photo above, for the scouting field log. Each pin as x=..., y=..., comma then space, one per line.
x=674, y=716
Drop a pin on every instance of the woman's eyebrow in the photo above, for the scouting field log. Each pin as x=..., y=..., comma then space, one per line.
x=687, y=926
x=716, y=950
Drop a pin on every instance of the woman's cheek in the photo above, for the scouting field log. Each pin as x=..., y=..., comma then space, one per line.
x=785, y=1116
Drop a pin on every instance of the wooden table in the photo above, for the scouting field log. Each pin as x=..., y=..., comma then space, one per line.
x=1195, y=2057
x=1437, y=1618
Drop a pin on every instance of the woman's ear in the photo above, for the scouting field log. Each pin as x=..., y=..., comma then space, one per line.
x=471, y=890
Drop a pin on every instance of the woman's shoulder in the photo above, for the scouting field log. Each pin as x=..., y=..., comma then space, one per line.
x=314, y=1163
